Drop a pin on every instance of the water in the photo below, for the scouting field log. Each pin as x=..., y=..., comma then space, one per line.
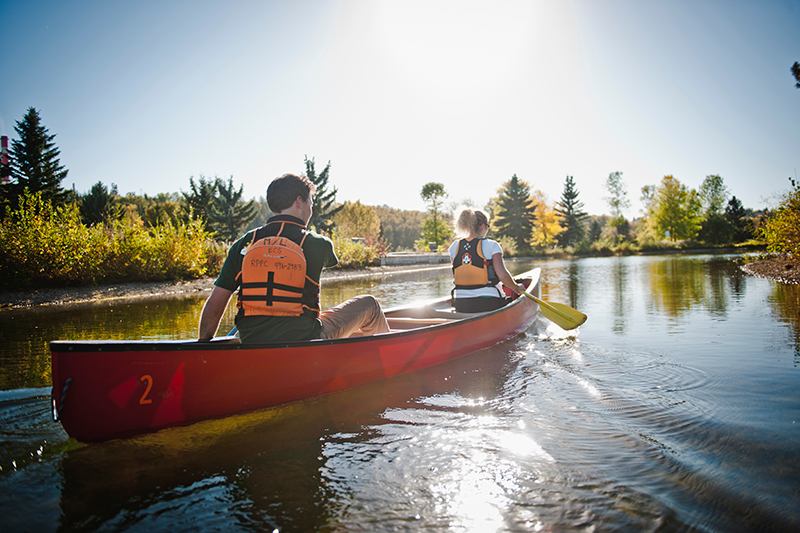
x=674, y=408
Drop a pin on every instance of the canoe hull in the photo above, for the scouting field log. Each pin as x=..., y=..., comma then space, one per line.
x=103, y=390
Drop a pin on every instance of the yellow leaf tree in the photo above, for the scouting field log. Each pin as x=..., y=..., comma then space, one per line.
x=358, y=220
x=547, y=223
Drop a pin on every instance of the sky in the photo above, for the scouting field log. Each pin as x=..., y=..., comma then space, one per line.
x=396, y=94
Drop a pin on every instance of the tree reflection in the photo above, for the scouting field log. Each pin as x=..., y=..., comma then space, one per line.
x=785, y=302
x=25, y=334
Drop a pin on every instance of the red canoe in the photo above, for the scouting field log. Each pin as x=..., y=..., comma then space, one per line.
x=107, y=389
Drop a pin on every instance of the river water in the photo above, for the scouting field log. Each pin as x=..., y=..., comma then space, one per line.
x=676, y=407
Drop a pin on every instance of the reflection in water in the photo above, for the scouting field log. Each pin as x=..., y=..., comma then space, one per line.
x=25, y=334
x=621, y=298
x=785, y=303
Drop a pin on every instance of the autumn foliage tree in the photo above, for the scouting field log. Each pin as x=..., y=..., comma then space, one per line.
x=355, y=219
x=782, y=231
x=547, y=224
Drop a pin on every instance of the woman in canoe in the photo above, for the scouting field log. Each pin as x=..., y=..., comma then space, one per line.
x=478, y=266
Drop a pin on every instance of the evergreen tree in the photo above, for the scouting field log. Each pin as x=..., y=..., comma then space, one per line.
x=324, y=200
x=98, y=206
x=595, y=231
x=736, y=214
x=230, y=213
x=34, y=163
x=796, y=73
x=515, y=212
x=201, y=196
x=571, y=213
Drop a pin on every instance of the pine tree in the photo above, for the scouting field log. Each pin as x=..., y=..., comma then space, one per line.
x=324, y=200
x=571, y=214
x=230, y=213
x=735, y=213
x=98, y=206
x=34, y=163
x=515, y=212
x=595, y=231
x=201, y=196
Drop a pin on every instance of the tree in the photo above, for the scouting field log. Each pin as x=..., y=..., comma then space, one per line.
x=98, y=206
x=713, y=194
x=263, y=213
x=515, y=212
x=647, y=228
x=230, y=213
x=34, y=164
x=434, y=228
x=595, y=231
x=201, y=196
x=618, y=202
x=796, y=73
x=714, y=227
x=618, y=196
x=735, y=214
x=400, y=229
x=677, y=210
x=782, y=230
x=358, y=220
x=436, y=231
x=547, y=224
x=569, y=208
x=324, y=200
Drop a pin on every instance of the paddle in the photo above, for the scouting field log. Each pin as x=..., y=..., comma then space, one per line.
x=562, y=315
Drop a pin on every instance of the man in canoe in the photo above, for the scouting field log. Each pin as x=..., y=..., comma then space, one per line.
x=276, y=270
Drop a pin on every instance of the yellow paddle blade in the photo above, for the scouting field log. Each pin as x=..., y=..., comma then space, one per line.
x=562, y=315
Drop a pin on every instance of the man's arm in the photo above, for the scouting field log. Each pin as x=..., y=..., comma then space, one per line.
x=212, y=313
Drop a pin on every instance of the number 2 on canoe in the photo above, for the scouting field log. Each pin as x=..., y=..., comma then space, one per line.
x=144, y=400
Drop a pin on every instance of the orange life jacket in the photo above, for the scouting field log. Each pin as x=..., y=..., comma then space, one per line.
x=471, y=269
x=273, y=276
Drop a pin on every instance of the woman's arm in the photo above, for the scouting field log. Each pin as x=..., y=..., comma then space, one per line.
x=502, y=273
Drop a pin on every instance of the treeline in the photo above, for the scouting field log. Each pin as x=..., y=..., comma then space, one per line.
x=49, y=235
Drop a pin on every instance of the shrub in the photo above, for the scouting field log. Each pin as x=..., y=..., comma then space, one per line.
x=43, y=246
x=782, y=230
x=352, y=254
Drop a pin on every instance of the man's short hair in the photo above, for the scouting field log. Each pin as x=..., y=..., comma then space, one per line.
x=284, y=190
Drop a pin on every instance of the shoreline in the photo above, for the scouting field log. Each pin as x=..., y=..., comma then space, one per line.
x=778, y=269
x=38, y=298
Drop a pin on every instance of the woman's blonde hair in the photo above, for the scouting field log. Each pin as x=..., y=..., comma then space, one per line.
x=469, y=221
